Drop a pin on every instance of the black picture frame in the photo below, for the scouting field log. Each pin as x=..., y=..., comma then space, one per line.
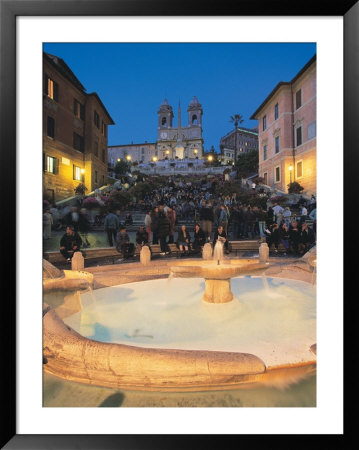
x=9, y=10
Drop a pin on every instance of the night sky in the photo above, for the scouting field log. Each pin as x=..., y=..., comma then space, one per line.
x=133, y=79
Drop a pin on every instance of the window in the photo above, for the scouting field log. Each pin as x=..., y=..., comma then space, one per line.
x=103, y=179
x=265, y=148
x=104, y=129
x=79, y=109
x=265, y=178
x=96, y=149
x=77, y=175
x=50, y=127
x=264, y=122
x=51, y=164
x=312, y=130
x=299, y=169
x=194, y=119
x=299, y=136
x=276, y=111
x=78, y=143
x=164, y=121
x=51, y=88
x=103, y=155
x=277, y=174
x=95, y=176
x=96, y=119
x=277, y=144
x=298, y=99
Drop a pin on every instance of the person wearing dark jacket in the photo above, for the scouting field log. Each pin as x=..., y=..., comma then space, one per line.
x=306, y=239
x=124, y=245
x=72, y=218
x=183, y=240
x=111, y=226
x=154, y=225
x=163, y=231
x=294, y=236
x=284, y=235
x=206, y=216
x=70, y=242
x=221, y=235
x=272, y=236
x=199, y=238
x=141, y=237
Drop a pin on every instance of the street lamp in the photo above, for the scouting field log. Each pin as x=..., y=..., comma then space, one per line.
x=290, y=172
x=128, y=157
x=210, y=158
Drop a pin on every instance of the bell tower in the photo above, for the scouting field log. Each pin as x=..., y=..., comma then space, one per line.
x=195, y=113
x=165, y=115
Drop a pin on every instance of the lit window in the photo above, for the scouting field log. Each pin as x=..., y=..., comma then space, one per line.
x=51, y=88
x=77, y=175
x=51, y=165
x=299, y=169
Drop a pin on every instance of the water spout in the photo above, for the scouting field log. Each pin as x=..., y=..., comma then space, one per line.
x=218, y=252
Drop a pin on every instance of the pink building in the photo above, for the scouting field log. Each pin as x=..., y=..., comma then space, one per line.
x=287, y=132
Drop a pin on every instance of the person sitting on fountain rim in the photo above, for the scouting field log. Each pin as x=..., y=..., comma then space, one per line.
x=183, y=240
x=70, y=242
x=124, y=245
x=221, y=236
x=141, y=237
x=199, y=238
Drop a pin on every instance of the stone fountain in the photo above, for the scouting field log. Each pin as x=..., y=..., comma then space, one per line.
x=217, y=273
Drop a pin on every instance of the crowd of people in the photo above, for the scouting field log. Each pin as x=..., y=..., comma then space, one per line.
x=179, y=206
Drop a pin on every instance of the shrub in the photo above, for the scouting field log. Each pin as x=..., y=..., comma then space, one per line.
x=80, y=189
x=295, y=188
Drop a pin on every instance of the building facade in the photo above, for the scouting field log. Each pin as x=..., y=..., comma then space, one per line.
x=287, y=132
x=172, y=142
x=244, y=139
x=75, y=133
x=131, y=152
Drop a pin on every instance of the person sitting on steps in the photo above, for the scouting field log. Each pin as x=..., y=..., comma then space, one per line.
x=70, y=242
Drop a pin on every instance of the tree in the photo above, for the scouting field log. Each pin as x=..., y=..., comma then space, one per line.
x=247, y=164
x=122, y=167
x=236, y=119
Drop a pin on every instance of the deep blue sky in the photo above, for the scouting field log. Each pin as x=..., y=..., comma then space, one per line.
x=133, y=79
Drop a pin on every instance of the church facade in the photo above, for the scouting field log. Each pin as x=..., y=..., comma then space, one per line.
x=173, y=142
x=181, y=142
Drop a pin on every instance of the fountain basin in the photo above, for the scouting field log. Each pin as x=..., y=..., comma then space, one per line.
x=72, y=356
